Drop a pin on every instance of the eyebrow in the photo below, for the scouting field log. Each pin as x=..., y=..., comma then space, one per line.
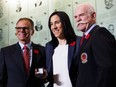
x=21, y=27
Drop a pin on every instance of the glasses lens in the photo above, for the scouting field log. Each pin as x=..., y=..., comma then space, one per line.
x=24, y=28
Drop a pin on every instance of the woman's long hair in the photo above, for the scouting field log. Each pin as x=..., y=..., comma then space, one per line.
x=68, y=31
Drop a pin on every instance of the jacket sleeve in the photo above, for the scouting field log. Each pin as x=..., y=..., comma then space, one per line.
x=103, y=51
x=3, y=74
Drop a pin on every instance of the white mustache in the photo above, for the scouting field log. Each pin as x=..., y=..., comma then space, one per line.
x=81, y=23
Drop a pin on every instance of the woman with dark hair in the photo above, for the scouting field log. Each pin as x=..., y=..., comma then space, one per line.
x=60, y=51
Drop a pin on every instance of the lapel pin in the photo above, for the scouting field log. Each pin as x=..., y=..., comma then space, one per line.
x=84, y=58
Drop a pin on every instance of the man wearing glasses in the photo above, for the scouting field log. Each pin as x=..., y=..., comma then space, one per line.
x=20, y=62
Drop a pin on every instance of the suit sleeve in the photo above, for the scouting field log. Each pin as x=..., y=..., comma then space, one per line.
x=103, y=51
x=2, y=70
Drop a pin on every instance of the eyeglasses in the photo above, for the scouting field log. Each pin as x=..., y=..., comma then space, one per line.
x=24, y=28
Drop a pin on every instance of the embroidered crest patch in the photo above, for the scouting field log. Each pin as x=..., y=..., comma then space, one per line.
x=84, y=57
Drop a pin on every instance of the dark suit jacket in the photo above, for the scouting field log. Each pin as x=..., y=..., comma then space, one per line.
x=95, y=59
x=12, y=73
x=72, y=48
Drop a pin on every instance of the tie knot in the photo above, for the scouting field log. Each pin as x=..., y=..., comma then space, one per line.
x=84, y=35
x=25, y=47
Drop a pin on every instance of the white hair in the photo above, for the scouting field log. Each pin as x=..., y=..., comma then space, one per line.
x=89, y=6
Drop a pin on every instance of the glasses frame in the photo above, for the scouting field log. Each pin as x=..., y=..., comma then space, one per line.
x=24, y=28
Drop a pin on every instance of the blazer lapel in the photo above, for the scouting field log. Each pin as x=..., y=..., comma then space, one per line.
x=35, y=58
x=18, y=57
x=71, y=49
x=49, y=53
x=86, y=39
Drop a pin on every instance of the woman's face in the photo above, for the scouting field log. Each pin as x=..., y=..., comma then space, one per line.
x=56, y=26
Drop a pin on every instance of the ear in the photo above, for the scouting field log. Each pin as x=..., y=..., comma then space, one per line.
x=16, y=33
x=32, y=32
x=94, y=15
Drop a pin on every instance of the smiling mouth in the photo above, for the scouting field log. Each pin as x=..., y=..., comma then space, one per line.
x=22, y=34
x=55, y=30
x=79, y=24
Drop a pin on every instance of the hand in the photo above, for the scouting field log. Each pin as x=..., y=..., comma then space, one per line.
x=41, y=73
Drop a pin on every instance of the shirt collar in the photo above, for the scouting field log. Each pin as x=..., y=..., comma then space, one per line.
x=87, y=32
x=28, y=45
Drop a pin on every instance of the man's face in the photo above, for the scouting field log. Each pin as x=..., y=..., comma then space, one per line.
x=84, y=19
x=24, y=31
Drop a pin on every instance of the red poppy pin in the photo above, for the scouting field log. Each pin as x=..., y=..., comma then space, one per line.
x=73, y=43
x=36, y=51
x=87, y=36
